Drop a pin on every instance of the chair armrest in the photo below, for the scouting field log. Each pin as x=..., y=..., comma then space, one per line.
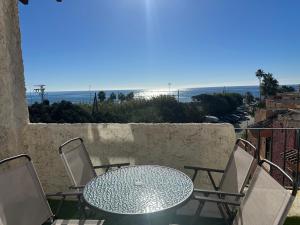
x=216, y=200
x=222, y=193
x=208, y=170
x=245, y=142
x=204, y=169
x=108, y=166
x=63, y=194
x=76, y=187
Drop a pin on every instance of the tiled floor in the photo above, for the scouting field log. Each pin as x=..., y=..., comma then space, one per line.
x=69, y=211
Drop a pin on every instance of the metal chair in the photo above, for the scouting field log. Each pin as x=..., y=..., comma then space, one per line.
x=233, y=181
x=265, y=202
x=22, y=199
x=78, y=163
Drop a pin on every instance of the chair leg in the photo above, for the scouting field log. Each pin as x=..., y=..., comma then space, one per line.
x=81, y=208
x=198, y=212
x=223, y=214
x=60, y=206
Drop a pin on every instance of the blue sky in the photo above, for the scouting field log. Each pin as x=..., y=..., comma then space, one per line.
x=124, y=44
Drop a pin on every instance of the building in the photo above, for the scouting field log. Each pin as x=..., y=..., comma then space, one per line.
x=282, y=113
x=284, y=101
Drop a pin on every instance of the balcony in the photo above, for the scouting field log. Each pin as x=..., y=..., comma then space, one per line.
x=173, y=145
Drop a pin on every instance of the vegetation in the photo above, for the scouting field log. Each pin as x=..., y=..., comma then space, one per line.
x=249, y=98
x=101, y=96
x=121, y=97
x=285, y=88
x=261, y=105
x=219, y=104
x=129, y=96
x=269, y=86
x=112, y=97
x=157, y=110
x=259, y=74
x=63, y=112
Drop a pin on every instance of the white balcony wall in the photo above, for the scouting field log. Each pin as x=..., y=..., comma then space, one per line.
x=13, y=108
x=173, y=145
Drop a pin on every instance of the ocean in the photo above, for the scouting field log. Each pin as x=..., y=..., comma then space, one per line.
x=184, y=95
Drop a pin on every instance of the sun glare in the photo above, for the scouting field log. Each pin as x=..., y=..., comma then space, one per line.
x=148, y=12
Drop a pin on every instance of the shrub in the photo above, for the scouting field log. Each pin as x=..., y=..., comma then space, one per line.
x=63, y=112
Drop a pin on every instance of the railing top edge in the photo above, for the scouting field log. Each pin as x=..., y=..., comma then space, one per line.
x=267, y=128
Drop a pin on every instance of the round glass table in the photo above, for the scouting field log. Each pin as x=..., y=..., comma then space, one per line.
x=137, y=190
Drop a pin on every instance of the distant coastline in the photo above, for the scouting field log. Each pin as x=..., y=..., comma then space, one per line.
x=184, y=95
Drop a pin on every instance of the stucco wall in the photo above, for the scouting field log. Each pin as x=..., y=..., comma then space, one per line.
x=172, y=145
x=13, y=109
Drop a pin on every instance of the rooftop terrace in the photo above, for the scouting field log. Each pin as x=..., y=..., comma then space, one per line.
x=173, y=145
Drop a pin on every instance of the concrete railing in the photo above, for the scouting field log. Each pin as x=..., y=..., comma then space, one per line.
x=173, y=145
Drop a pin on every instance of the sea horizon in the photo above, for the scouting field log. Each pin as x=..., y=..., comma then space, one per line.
x=182, y=94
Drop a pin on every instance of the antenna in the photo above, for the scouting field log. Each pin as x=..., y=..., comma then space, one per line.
x=95, y=105
x=25, y=2
x=40, y=90
x=90, y=86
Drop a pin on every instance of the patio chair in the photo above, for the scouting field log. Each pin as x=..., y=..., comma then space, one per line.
x=22, y=199
x=78, y=163
x=233, y=181
x=266, y=202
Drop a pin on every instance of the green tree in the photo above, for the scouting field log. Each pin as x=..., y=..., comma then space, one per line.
x=112, y=97
x=130, y=96
x=249, y=98
x=269, y=85
x=285, y=88
x=219, y=104
x=260, y=74
x=101, y=96
x=121, y=97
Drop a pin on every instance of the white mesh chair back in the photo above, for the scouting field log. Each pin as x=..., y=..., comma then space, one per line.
x=22, y=199
x=77, y=162
x=266, y=201
x=237, y=171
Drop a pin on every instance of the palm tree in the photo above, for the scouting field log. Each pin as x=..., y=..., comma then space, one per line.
x=121, y=97
x=260, y=74
x=269, y=85
x=112, y=97
x=101, y=96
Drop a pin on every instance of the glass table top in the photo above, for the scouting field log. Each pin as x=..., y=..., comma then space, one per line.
x=138, y=190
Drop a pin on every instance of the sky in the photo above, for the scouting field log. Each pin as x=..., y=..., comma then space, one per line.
x=136, y=44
